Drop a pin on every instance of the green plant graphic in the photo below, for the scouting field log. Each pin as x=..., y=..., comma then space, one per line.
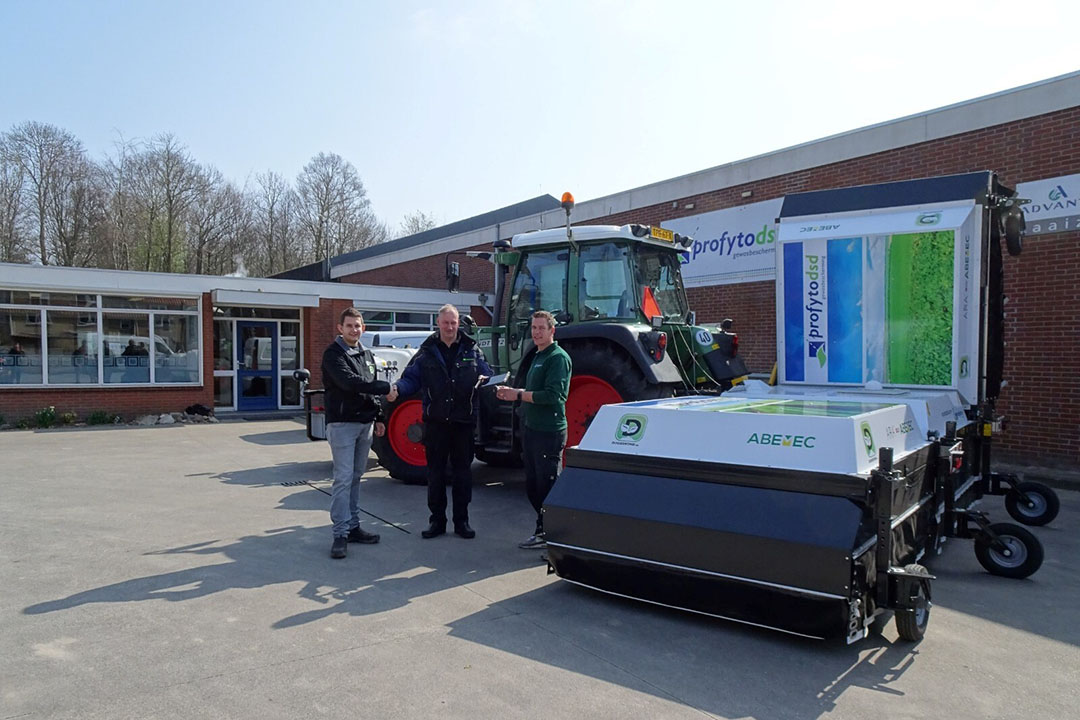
x=919, y=308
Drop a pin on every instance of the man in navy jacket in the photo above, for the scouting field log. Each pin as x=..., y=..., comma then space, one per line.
x=447, y=371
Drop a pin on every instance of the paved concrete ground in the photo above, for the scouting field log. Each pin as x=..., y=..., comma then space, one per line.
x=167, y=572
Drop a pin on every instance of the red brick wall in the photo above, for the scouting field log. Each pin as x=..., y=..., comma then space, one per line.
x=320, y=329
x=1043, y=352
x=16, y=402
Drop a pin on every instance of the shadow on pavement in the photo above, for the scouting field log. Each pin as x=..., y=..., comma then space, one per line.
x=718, y=667
x=391, y=575
x=279, y=437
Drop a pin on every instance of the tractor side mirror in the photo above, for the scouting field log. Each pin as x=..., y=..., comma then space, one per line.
x=301, y=375
x=562, y=317
x=691, y=317
x=453, y=277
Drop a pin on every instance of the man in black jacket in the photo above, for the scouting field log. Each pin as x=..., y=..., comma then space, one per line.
x=352, y=406
x=447, y=370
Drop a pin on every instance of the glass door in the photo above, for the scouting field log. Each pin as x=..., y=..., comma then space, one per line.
x=257, y=366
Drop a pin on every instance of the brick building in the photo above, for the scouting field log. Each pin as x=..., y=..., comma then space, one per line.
x=1029, y=135
x=131, y=343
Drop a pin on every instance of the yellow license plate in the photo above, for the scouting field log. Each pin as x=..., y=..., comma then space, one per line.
x=664, y=234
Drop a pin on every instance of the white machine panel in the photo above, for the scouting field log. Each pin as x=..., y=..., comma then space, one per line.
x=830, y=435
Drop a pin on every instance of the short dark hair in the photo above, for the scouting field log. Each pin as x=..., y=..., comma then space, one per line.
x=350, y=312
x=544, y=315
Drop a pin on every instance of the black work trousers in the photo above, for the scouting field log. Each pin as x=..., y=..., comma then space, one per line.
x=453, y=442
x=542, y=454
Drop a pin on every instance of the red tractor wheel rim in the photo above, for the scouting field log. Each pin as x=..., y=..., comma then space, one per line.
x=406, y=415
x=588, y=394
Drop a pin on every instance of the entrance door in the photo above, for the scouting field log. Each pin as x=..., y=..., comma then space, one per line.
x=257, y=366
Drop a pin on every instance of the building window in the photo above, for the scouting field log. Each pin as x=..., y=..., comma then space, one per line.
x=149, y=303
x=126, y=349
x=223, y=392
x=20, y=347
x=223, y=345
x=176, y=348
x=377, y=320
x=83, y=339
x=72, y=349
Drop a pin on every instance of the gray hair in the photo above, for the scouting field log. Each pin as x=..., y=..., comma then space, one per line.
x=448, y=308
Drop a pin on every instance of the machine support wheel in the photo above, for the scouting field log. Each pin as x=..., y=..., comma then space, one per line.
x=1032, y=503
x=401, y=449
x=911, y=622
x=1008, y=550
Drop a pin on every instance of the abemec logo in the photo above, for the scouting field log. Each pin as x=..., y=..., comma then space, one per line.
x=630, y=429
x=780, y=440
x=868, y=440
x=1058, y=193
x=928, y=218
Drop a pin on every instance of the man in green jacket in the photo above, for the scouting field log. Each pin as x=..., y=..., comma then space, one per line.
x=544, y=400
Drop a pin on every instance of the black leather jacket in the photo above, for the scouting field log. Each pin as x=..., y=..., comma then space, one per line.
x=351, y=388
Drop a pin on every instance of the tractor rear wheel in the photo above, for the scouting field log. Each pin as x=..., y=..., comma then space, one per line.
x=603, y=374
x=401, y=449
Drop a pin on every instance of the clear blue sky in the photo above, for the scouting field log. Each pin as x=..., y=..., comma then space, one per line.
x=456, y=108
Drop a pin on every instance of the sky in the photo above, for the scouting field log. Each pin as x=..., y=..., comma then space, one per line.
x=458, y=108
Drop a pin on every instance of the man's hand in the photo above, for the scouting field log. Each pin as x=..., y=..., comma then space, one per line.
x=393, y=394
x=505, y=393
x=380, y=429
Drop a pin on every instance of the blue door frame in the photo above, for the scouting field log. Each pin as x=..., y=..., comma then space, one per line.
x=257, y=366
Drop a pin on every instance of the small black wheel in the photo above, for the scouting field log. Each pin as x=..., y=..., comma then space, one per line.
x=1040, y=507
x=1019, y=555
x=911, y=622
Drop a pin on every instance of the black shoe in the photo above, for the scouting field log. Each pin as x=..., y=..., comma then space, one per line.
x=340, y=547
x=463, y=530
x=434, y=530
x=360, y=535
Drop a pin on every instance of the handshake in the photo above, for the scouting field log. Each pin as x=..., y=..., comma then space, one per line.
x=393, y=394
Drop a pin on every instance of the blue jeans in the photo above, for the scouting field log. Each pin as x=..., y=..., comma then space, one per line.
x=350, y=443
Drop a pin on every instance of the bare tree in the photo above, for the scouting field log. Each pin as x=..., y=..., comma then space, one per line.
x=75, y=206
x=178, y=178
x=273, y=206
x=148, y=201
x=42, y=152
x=333, y=209
x=216, y=218
x=12, y=240
x=120, y=231
x=416, y=222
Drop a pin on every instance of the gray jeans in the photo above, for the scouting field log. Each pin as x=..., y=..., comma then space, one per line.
x=350, y=443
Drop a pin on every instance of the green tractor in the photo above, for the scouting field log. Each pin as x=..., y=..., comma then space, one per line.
x=622, y=315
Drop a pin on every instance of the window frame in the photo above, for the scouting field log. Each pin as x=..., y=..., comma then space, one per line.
x=97, y=311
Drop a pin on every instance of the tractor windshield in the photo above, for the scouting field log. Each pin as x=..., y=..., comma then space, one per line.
x=659, y=273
